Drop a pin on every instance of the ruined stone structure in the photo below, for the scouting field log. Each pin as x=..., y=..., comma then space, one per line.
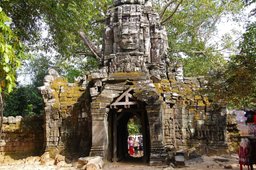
x=136, y=79
x=67, y=118
x=22, y=137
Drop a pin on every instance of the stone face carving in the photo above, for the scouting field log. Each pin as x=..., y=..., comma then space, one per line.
x=134, y=39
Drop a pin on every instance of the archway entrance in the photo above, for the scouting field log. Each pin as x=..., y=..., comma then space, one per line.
x=119, y=120
x=135, y=137
x=118, y=135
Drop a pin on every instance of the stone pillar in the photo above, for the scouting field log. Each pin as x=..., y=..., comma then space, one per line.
x=184, y=125
x=168, y=123
x=99, y=129
x=157, y=151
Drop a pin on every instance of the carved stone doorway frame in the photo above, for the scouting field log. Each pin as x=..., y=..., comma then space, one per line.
x=121, y=110
x=118, y=133
x=109, y=109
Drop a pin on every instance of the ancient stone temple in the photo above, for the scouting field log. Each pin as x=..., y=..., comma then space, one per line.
x=135, y=79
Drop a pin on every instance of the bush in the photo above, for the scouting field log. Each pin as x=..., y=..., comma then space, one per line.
x=24, y=101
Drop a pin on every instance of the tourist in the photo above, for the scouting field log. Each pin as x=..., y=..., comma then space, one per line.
x=140, y=146
x=252, y=152
x=131, y=146
x=136, y=145
x=244, y=154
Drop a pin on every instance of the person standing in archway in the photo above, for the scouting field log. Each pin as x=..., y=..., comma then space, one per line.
x=136, y=145
x=131, y=146
x=140, y=146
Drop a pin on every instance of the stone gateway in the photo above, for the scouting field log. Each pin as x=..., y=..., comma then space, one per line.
x=90, y=117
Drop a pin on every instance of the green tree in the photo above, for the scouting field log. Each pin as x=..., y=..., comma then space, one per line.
x=64, y=18
x=190, y=25
x=191, y=29
x=11, y=54
x=38, y=69
x=237, y=83
x=134, y=126
x=24, y=100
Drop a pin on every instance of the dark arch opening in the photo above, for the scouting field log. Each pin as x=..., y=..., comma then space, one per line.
x=135, y=137
x=118, y=134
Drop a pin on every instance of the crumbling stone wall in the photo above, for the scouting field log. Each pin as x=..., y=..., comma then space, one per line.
x=22, y=137
x=190, y=119
x=67, y=116
x=233, y=134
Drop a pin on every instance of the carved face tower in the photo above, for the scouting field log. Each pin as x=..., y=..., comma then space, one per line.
x=134, y=39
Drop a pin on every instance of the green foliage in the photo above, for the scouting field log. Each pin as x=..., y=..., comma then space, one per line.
x=64, y=18
x=242, y=72
x=188, y=29
x=134, y=126
x=72, y=74
x=11, y=53
x=39, y=68
x=24, y=100
x=237, y=84
x=77, y=66
x=202, y=65
x=191, y=31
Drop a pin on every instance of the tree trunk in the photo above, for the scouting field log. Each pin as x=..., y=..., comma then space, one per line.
x=1, y=112
x=90, y=45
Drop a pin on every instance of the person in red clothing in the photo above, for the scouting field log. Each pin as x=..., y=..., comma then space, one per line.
x=244, y=154
x=131, y=146
x=254, y=118
x=252, y=154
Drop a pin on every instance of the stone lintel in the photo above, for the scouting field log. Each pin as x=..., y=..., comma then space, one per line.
x=128, y=76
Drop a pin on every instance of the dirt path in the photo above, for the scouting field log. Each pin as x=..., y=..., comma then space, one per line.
x=200, y=163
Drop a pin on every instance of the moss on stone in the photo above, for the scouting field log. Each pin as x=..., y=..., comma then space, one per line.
x=200, y=103
x=56, y=105
x=11, y=127
x=59, y=81
x=128, y=75
x=53, y=151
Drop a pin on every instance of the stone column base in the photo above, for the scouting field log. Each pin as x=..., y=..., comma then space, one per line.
x=97, y=151
x=158, y=154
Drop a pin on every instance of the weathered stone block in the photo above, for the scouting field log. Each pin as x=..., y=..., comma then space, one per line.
x=11, y=119
x=5, y=120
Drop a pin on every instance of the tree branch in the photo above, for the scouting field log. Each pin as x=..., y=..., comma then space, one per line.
x=90, y=45
x=175, y=10
x=202, y=52
x=165, y=8
x=89, y=54
x=99, y=21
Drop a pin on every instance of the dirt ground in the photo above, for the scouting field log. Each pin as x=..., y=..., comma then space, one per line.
x=199, y=163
